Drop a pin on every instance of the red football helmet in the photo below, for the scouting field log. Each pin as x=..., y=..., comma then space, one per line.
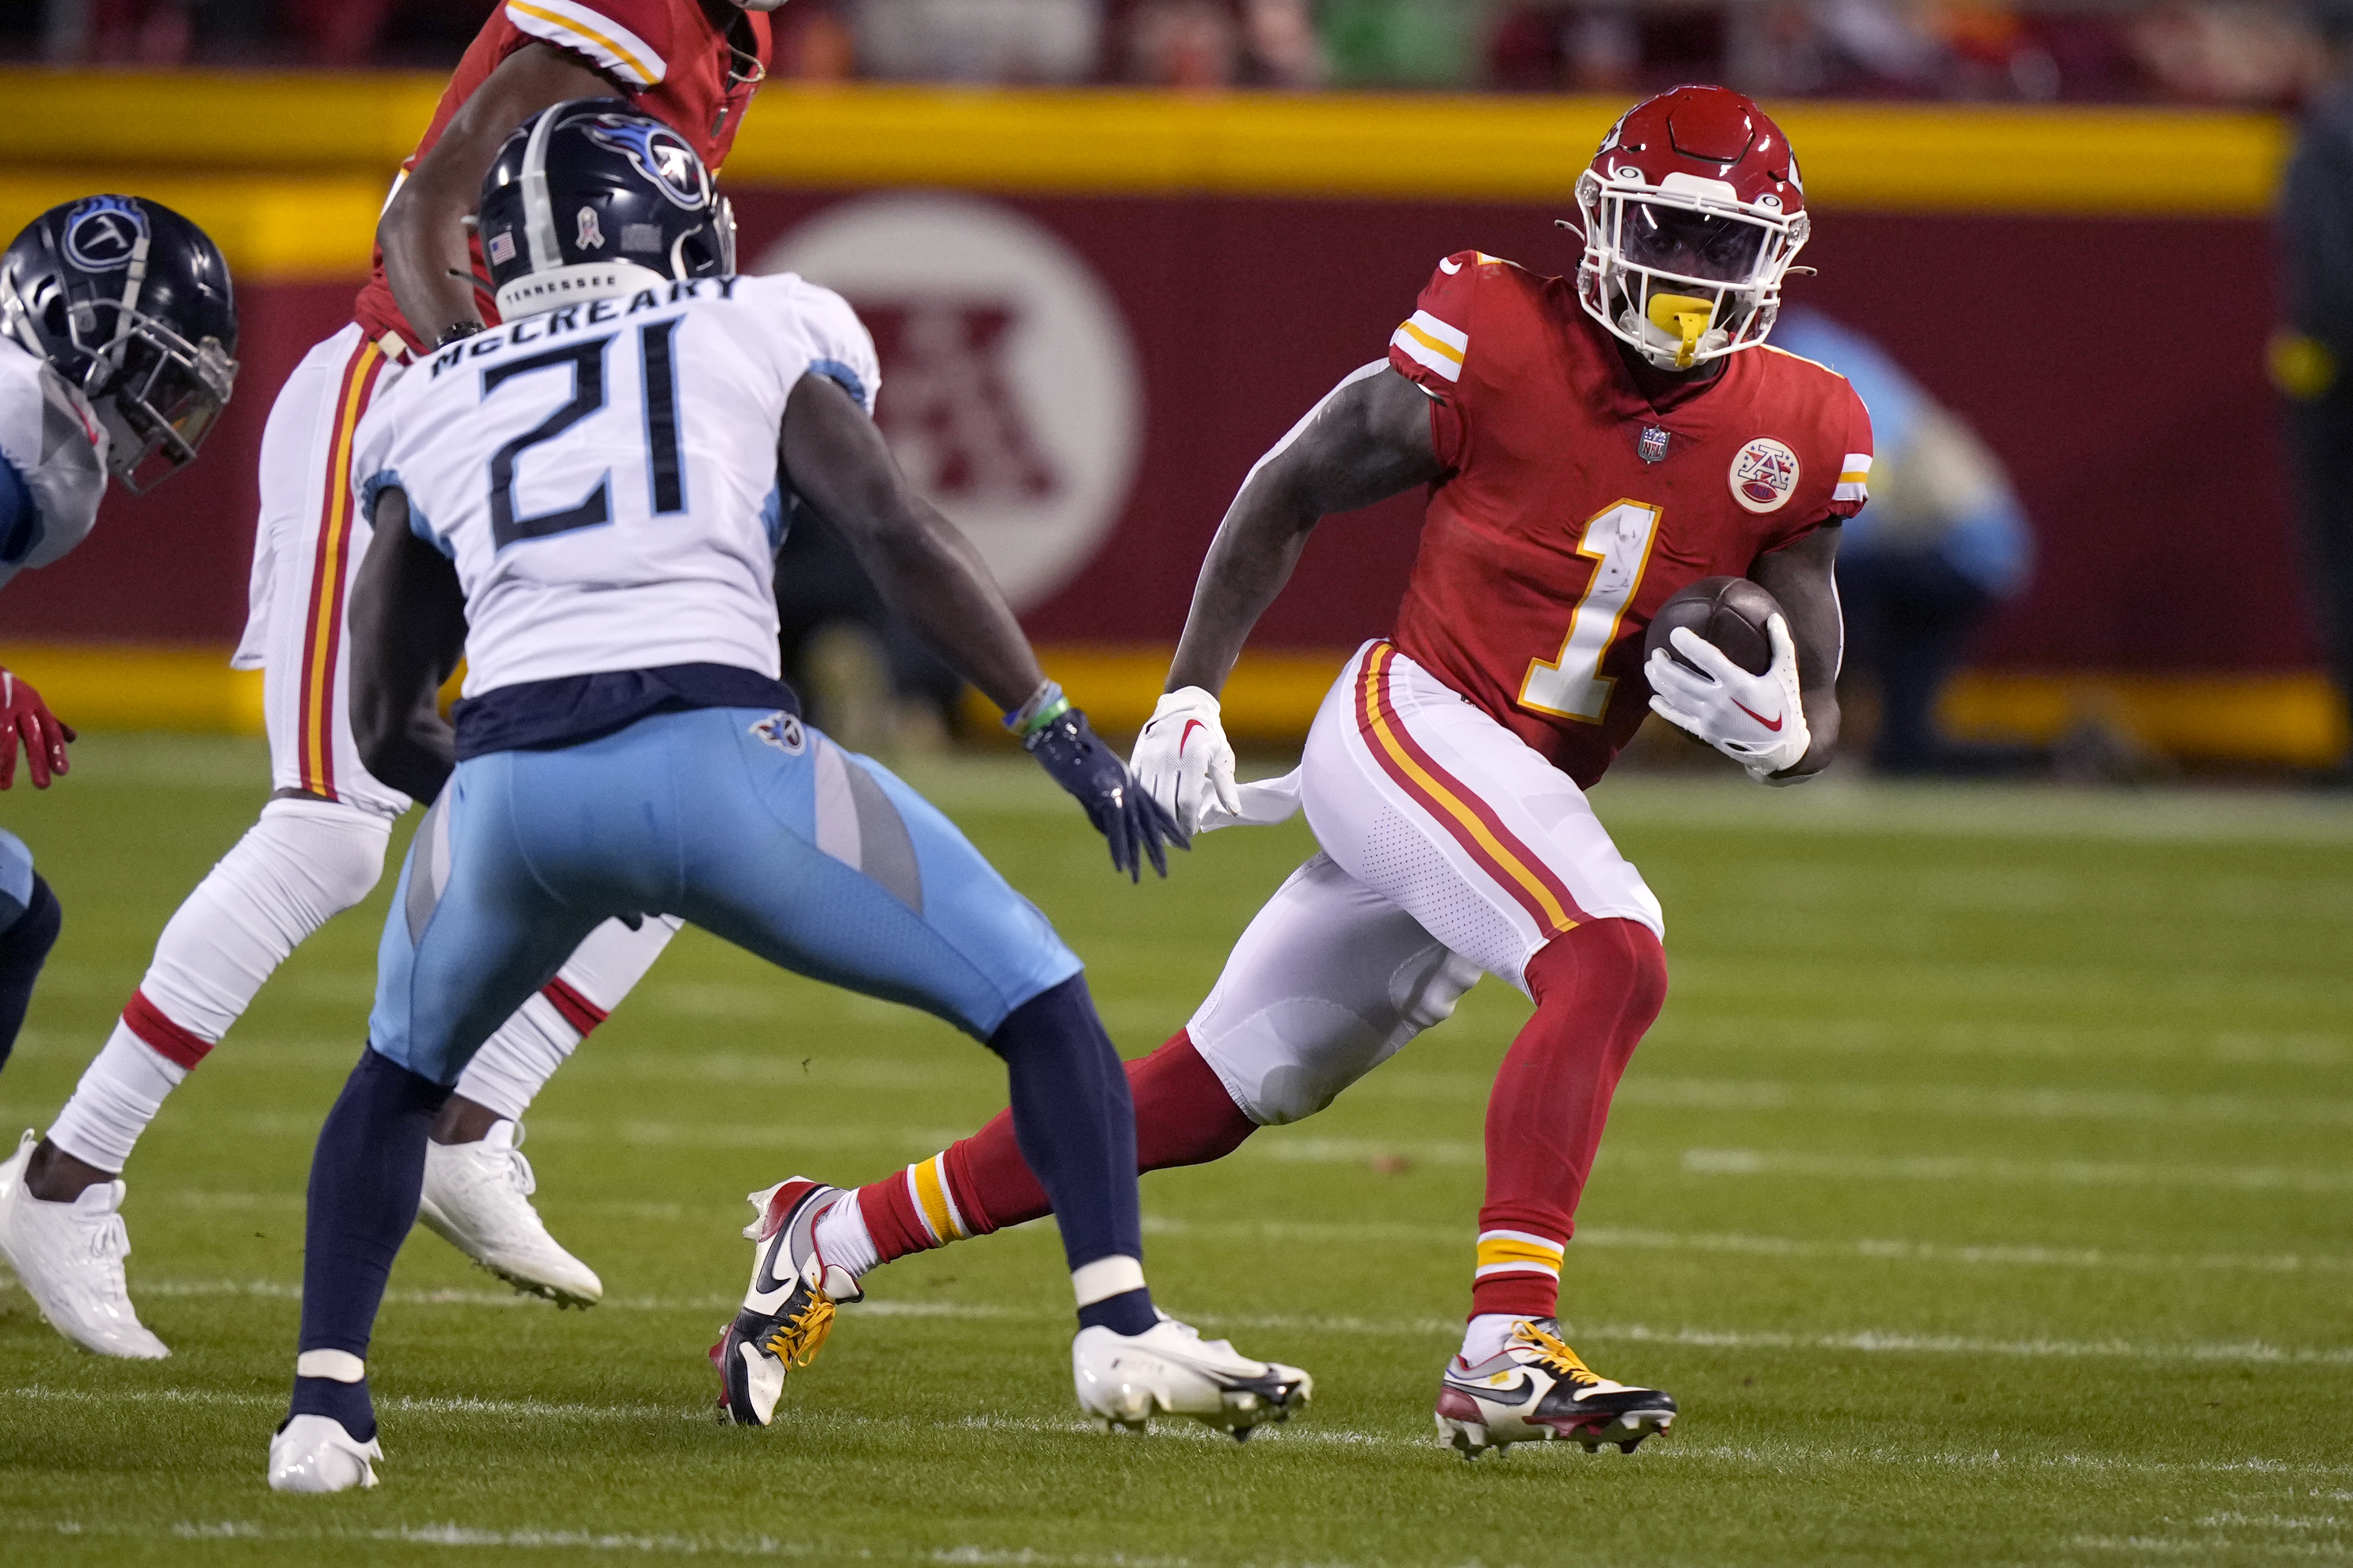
x=1692, y=213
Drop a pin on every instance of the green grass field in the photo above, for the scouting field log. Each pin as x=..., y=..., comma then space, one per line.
x=1983, y=1194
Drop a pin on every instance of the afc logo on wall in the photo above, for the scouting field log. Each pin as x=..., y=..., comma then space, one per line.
x=1010, y=390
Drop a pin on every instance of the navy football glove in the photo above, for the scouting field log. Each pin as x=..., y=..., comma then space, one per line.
x=1136, y=824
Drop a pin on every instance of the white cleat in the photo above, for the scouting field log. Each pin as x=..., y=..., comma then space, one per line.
x=315, y=1454
x=69, y=1257
x=12, y=1169
x=477, y=1197
x=1169, y=1369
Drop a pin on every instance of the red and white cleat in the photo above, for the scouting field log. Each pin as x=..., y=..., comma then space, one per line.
x=1537, y=1390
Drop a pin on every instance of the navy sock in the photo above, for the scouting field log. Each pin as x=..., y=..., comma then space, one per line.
x=1129, y=1312
x=365, y=1181
x=25, y=946
x=1076, y=1126
x=346, y=1402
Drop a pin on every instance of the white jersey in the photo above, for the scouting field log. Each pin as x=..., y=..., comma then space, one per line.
x=51, y=437
x=605, y=476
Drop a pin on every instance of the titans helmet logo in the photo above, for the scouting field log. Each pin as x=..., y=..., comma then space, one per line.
x=104, y=233
x=659, y=153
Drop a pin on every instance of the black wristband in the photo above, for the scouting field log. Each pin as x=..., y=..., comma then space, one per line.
x=454, y=330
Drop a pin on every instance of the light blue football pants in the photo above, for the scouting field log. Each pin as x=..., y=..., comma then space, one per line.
x=746, y=823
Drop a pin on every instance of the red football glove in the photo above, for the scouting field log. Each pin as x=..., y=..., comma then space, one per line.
x=25, y=719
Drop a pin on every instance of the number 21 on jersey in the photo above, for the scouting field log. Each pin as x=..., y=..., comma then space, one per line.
x=1572, y=685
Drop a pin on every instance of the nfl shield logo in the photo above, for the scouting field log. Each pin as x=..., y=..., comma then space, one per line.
x=1653, y=444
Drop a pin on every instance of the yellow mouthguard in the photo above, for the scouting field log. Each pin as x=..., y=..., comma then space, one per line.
x=1685, y=315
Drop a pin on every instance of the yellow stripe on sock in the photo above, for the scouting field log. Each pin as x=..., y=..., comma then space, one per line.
x=930, y=1179
x=1518, y=1251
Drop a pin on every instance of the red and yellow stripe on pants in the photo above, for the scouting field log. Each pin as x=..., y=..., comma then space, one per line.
x=1520, y=871
x=322, y=637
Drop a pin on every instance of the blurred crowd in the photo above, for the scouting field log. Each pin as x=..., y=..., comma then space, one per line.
x=2245, y=52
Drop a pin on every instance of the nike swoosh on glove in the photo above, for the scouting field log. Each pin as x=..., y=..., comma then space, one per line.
x=25, y=719
x=1133, y=822
x=1182, y=756
x=1758, y=721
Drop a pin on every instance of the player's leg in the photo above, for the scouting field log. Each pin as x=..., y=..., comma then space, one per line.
x=1428, y=801
x=304, y=861
x=478, y=1183
x=29, y=921
x=1328, y=980
x=473, y=930
x=826, y=864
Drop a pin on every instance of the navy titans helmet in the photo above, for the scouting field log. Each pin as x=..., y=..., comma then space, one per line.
x=590, y=199
x=130, y=303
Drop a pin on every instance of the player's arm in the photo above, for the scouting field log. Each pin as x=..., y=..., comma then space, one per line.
x=407, y=632
x=836, y=461
x=1366, y=440
x=1781, y=722
x=1802, y=575
x=423, y=229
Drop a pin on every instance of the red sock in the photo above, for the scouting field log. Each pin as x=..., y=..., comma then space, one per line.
x=1597, y=988
x=1183, y=1117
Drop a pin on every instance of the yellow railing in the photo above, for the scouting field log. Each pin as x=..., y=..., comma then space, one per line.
x=288, y=170
x=2288, y=718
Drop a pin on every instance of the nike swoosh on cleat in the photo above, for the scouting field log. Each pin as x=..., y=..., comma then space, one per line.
x=766, y=1280
x=1519, y=1390
x=1773, y=724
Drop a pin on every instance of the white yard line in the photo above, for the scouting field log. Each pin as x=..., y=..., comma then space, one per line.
x=2027, y=1172
x=1868, y=1342
x=1845, y=1099
x=1618, y=1238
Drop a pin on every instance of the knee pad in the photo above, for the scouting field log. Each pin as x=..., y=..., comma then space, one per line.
x=1619, y=958
x=327, y=854
x=1330, y=979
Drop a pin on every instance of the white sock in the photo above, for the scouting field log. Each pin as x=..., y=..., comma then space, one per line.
x=521, y=1057
x=302, y=863
x=842, y=1237
x=515, y=1063
x=1484, y=1335
x=119, y=1095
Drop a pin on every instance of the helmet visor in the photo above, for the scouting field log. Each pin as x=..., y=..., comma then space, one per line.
x=1680, y=242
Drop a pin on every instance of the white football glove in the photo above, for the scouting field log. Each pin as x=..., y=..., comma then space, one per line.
x=1182, y=758
x=1758, y=721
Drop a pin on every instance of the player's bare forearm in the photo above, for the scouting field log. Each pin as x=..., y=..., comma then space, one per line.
x=1367, y=440
x=407, y=632
x=1803, y=576
x=840, y=466
x=423, y=227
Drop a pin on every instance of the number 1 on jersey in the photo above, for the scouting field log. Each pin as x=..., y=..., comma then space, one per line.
x=1572, y=686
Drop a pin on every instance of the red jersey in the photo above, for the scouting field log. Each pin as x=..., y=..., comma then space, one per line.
x=673, y=58
x=1573, y=507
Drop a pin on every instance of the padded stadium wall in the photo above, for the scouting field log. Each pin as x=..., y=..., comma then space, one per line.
x=1097, y=307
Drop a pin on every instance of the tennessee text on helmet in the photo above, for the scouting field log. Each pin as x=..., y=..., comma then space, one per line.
x=1692, y=213
x=591, y=199
x=131, y=304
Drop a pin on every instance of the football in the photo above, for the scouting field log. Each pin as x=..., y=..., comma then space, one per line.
x=1729, y=612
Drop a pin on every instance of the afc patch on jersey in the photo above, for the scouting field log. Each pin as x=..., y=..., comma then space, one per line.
x=1764, y=475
